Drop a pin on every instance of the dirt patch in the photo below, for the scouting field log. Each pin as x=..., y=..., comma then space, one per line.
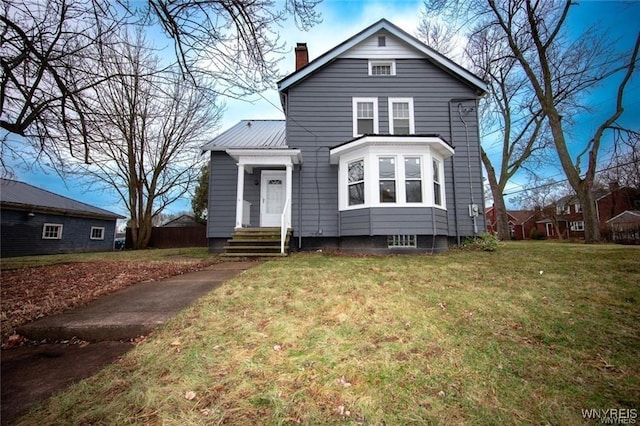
x=32, y=293
x=34, y=373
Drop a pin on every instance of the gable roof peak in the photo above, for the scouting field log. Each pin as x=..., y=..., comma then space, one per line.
x=383, y=24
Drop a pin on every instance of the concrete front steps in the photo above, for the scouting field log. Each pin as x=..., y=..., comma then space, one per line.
x=257, y=242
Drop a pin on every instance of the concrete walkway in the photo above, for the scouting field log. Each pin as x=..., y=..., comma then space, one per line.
x=32, y=374
x=133, y=311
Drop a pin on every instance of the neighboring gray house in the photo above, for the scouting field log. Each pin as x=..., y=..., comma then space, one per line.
x=34, y=221
x=379, y=151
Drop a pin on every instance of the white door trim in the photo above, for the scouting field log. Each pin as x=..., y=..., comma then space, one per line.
x=272, y=217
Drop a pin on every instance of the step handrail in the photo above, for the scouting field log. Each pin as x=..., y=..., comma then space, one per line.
x=283, y=228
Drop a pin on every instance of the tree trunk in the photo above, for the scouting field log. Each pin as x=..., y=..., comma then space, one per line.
x=499, y=208
x=589, y=214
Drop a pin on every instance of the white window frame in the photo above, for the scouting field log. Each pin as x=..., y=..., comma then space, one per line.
x=355, y=102
x=402, y=241
x=96, y=228
x=440, y=181
x=371, y=155
x=57, y=226
x=412, y=125
x=395, y=179
x=407, y=179
x=577, y=226
x=364, y=179
x=391, y=63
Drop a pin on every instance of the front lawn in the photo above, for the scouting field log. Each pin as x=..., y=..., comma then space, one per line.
x=534, y=333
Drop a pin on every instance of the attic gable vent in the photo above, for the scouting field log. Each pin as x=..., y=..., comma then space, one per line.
x=382, y=41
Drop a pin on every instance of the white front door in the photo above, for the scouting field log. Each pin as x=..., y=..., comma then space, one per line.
x=272, y=196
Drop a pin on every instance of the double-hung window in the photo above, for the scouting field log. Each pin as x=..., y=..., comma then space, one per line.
x=355, y=174
x=437, y=186
x=401, y=120
x=413, y=179
x=365, y=116
x=387, y=179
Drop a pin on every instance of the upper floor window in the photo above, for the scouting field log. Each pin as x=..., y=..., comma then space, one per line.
x=365, y=116
x=382, y=67
x=401, y=120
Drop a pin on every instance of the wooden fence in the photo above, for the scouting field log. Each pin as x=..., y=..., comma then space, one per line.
x=185, y=236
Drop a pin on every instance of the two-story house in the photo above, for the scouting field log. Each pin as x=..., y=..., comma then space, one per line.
x=379, y=151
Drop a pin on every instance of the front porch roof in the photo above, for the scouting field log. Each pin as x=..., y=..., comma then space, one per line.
x=434, y=141
x=250, y=134
x=265, y=157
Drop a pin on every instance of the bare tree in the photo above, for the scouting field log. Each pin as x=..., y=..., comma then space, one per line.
x=48, y=55
x=510, y=112
x=49, y=52
x=624, y=164
x=560, y=69
x=151, y=124
x=543, y=195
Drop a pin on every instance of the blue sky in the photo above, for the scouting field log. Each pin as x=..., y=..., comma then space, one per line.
x=344, y=18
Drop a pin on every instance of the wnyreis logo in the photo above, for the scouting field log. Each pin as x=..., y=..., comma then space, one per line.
x=611, y=416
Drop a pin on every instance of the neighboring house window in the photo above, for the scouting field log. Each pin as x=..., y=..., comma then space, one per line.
x=356, y=182
x=382, y=67
x=387, y=179
x=578, y=207
x=365, y=116
x=577, y=226
x=51, y=231
x=437, y=186
x=401, y=116
x=402, y=240
x=97, y=233
x=413, y=179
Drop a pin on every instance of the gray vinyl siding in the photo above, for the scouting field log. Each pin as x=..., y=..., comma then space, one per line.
x=319, y=117
x=397, y=220
x=223, y=180
x=21, y=235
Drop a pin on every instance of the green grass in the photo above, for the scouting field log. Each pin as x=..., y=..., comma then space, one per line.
x=115, y=256
x=460, y=338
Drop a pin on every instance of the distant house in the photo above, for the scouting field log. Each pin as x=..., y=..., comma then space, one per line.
x=35, y=221
x=183, y=221
x=625, y=227
x=521, y=222
x=379, y=151
x=565, y=215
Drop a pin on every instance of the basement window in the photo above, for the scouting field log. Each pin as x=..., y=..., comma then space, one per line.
x=402, y=241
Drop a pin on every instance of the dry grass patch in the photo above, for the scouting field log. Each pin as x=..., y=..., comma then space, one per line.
x=465, y=337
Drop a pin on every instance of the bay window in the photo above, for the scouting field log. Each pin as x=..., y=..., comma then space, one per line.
x=413, y=179
x=437, y=187
x=356, y=182
x=387, y=179
x=391, y=171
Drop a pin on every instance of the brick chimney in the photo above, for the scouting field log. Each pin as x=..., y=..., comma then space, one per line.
x=614, y=186
x=302, y=55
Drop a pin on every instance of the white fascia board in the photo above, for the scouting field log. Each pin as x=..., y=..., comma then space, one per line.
x=383, y=24
x=436, y=143
x=266, y=157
